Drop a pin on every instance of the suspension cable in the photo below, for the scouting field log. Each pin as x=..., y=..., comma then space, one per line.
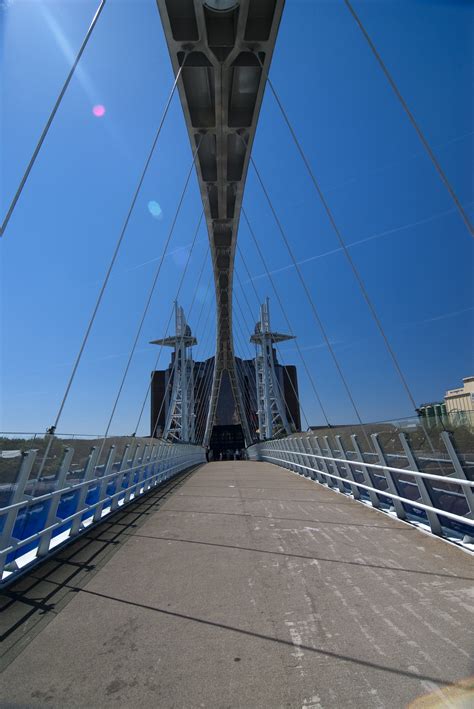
x=171, y=315
x=239, y=361
x=411, y=118
x=258, y=300
x=308, y=296
x=171, y=375
x=205, y=383
x=202, y=395
x=114, y=256
x=152, y=289
x=283, y=310
x=348, y=256
x=51, y=117
x=161, y=349
x=239, y=366
x=52, y=429
x=276, y=343
x=170, y=379
x=202, y=389
x=247, y=346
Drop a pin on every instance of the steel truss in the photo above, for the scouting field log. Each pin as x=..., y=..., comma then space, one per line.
x=272, y=418
x=181, y=416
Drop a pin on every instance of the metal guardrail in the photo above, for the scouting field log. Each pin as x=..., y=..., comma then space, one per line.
x=34, y=526
x=380, y=484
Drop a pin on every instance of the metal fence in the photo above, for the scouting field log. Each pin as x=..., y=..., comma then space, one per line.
x=399, y=474
x=54, y=491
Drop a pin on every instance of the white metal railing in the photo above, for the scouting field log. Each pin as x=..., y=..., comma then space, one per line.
x=304, y=455
x=33, y=526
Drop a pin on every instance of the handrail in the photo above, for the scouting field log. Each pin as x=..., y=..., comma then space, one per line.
x=450, y=515
x=158, y=462
x=305, y=455
x=416, y=473
x=78, y=486
x=37, y=535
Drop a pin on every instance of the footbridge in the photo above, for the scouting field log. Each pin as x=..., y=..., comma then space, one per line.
x=303, y=566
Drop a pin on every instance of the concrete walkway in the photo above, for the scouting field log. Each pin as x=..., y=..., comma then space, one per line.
x=247, y=587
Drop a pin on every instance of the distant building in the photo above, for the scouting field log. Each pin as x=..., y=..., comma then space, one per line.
x=457, y=409
x=460, y=404
x=433, y=414
x=227, y=431
x=461, y=399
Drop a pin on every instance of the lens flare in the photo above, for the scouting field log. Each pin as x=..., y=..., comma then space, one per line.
x=155, y=209
x=98, y=110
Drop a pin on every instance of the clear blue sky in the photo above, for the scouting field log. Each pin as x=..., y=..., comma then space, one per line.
x=407, y=240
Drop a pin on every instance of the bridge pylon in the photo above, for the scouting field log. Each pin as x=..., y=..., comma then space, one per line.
x=181, y=416
x=272, y=417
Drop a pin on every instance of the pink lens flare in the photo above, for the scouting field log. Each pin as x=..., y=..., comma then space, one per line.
x=98, y=110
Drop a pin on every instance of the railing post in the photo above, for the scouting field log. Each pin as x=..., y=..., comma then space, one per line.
x=143, y=470
x=433, y=518
x=88, y=474
x=365, y=472
x=459, y=470
x=309, y=461
x=304, y=457
x=120, y=476
x=131, y=485
x=45, y=539
x=390, y=478
x=350, y=472
x=166, y=461
x=315, y=462
x=176, y=459
x=330, y=482
x=18, y=495
x=162, y=462
x=294, y=457
x=104, y=483
x=460, y=473
x=277, y=448
x=152, y=465
x=334, y=467
x=341, y=467
x=299, y=458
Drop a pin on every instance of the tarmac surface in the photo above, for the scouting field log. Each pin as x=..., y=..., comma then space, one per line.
x=242, y=585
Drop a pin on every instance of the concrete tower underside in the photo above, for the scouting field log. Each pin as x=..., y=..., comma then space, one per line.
x=221, y=46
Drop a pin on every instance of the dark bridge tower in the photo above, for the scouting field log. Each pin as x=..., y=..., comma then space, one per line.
x=221, y=45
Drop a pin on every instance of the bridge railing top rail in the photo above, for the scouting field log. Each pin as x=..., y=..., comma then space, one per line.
x=435, y=489
x=376, y=466
x=37, y=514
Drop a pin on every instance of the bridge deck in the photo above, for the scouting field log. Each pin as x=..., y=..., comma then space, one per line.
x=245, y=586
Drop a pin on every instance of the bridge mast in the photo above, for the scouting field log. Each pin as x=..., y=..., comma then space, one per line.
x=221, y=90
x=180, y=417
x=272, y=418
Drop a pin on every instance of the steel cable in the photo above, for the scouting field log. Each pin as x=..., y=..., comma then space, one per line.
x=347, y=254
x=170, y=317
x=152, y=288
x=283, y=310
x=411, y=118
x=310, y=299
x=51, y=118
x=276, y=343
